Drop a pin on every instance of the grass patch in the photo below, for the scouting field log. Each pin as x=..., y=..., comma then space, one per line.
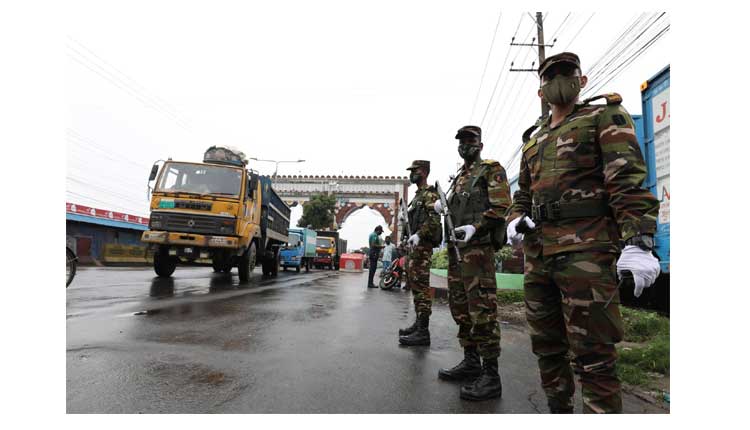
x=641, y=326
x=650, y=332
x=506, y=297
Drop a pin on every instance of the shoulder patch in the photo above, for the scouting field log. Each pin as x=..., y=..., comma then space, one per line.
x=611, y=98
x=528, y=145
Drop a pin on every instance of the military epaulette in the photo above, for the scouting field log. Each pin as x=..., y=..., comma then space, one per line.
x=527, y=134
x=612, y=99
x=489, y=162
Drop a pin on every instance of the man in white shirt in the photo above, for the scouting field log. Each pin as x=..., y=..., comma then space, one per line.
x=388, y=253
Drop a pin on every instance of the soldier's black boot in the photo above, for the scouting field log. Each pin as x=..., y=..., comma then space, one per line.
x=408, y=330
x=487, y=386
x=557, y=406
x=468, y=368
x=421, y=336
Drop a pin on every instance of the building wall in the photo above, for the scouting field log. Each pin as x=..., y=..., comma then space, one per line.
x=101, y=235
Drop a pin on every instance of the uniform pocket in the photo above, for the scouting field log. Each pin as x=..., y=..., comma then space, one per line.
x=576, y=148
x=605, y=324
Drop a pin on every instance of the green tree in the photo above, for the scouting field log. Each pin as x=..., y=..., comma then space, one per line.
x=318, y=212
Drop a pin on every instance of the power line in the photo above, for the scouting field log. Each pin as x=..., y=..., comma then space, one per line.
x=622, y=66
x=505, y=80
x=76, y=138
x=126, y=209
x=578, y=32
x=158, y=99
x=484, y=71
x=81, y=58
x=611, y=47
x=596, y=75
x=497, y=81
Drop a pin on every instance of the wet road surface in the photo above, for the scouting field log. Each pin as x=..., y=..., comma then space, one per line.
x=317, y=342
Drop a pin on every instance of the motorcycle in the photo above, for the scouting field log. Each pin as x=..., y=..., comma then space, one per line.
x=394, y=274
x=70, y=266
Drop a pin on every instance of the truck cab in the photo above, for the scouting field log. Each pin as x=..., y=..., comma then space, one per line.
x=300, y=250
x=325, y=251
x=216, y=213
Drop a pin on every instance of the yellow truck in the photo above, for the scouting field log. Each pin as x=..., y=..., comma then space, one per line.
x=217, y=211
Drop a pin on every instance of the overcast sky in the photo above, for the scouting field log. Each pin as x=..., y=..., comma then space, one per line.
x=350, y=89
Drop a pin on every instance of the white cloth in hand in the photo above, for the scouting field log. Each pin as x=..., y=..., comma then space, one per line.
x=438, y=206
x=514, y=237
x=468, y=230
x=413, y=240
x=642, y=264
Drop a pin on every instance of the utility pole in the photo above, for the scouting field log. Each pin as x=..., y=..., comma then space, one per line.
x=540, y=46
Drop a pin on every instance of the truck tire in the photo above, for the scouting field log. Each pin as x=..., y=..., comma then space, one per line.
x=246, y=265
x=307, y=266
x=274, y=269
x=298, y=268
x=70, y=266
x=164, y=264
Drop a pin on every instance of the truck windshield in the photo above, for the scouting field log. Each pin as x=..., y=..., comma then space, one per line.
x=324, y=243
x=294, y=241
x=200, y=179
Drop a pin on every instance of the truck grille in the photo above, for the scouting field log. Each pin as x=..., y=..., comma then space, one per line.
x=190, y=223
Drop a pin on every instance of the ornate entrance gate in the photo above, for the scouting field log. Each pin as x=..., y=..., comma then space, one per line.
x=380, y=193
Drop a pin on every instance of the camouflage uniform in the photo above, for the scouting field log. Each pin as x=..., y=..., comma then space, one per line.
x=581, y=183
x=471, y=282
x=426, y=223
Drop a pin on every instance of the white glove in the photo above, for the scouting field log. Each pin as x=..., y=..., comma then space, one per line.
x=468, y=230
x=438, y=207
x=413, y=240
x=515, y=238
x=643, y=265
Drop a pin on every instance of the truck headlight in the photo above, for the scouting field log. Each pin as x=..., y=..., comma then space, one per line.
x=156, y=221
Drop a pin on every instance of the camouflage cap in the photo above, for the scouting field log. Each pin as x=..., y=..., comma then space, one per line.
x=469, y=130
x=563, y=57
x=419, y=163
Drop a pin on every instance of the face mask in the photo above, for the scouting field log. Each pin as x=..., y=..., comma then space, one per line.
x=561, y=90
x=468, y=152
x=415, y=177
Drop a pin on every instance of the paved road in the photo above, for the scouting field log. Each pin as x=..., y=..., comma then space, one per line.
x=315, y=342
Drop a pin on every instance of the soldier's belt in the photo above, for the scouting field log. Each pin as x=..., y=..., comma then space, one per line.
x=562, y=210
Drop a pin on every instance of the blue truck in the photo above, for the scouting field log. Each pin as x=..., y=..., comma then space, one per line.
x=299, y=250
x=652, y=130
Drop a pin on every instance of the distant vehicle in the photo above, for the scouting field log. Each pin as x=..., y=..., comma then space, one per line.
x=71, y=261
x=216, y=212
x=299, y=252
x=329, y=248
x=652, y=129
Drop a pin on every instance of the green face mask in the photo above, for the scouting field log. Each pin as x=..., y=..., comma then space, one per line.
x=468, y=152
x=561, y=90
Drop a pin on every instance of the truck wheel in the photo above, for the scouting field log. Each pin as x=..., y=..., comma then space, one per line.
x=307, y=266
x=70, y=266
x=164, y=264
x=274, y=269
x=298, y=268
x=246, y=264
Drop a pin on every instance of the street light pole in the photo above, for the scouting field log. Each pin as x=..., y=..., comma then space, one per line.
x=277, y=163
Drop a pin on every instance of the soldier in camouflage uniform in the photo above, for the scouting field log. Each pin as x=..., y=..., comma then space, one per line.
x=425, y=227
x=480, y=196
x=580, y=182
